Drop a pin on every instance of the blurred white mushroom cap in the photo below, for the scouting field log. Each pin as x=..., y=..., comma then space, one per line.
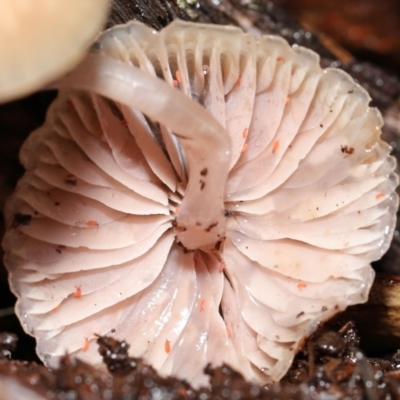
x=42, y=39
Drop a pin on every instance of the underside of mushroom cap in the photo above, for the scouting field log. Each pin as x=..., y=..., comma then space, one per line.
x=203, y=195
x=42, y=39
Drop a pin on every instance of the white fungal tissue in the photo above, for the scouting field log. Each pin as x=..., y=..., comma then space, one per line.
x=204, y=195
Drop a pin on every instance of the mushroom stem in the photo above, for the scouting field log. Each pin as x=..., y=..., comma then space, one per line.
x=207, y=146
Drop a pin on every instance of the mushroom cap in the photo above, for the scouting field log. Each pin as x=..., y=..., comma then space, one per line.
x=42, y=39
x=206, y=196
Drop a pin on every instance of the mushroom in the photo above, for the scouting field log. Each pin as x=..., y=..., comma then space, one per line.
x=204, y=195
x=40, y=40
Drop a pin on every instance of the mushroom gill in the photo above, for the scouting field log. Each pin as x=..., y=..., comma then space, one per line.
x=42, y=39
x=204, y=195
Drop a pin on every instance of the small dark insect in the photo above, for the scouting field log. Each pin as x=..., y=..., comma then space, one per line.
x=346, y=149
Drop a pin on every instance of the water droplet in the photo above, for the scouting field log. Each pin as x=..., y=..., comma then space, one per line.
x=378, y=375
x=296, y=35
x=206, y=69
x=359, y=355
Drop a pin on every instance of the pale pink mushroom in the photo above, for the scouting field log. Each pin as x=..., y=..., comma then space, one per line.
x=206, y=196
x=42, y=39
